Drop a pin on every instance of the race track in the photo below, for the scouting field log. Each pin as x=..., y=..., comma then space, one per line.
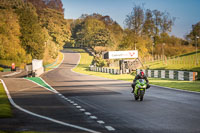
x=107, y=105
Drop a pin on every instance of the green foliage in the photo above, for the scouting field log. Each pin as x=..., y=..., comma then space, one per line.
x=100, y=62
x=96, y=30
x=5, y=110
x=32, y=37
x=195, y=32
x=58, y=28
x=1, y=69
x=147, y=31
x=28, y=31
x=132, y=41
x=10, y=47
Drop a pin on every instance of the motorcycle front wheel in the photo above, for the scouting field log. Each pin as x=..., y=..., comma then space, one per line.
x=141, y=95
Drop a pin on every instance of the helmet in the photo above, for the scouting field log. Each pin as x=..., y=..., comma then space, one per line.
x=142, y=74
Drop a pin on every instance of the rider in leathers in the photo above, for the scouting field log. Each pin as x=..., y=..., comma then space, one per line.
x=140, y=76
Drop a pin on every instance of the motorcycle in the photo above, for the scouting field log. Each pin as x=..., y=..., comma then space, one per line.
x=140, y=89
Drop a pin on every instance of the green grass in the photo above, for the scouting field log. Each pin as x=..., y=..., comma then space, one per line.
x=54, y=64
x=183, y=62
x=184, y=85
x=6, y=111
x=5, y=108
x=1, y=69
x=86, y=60
x=39, y=81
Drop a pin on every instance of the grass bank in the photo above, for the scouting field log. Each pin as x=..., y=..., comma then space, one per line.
x=182, y=62
x=54, y=64
x=5, y=107
x=86, y=59
x=6, y=111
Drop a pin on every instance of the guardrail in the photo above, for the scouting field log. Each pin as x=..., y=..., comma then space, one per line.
x=170, y=74
x=105, y=70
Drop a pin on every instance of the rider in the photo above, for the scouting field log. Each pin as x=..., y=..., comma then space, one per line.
x=141, y=75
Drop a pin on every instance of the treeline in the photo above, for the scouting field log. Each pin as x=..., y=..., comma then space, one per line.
x=96, y=30
x=146, y=30
x=36, y=29
x=29, y=30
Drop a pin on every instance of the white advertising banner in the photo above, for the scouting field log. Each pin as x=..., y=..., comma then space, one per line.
x=37, y=64
x=122, y=54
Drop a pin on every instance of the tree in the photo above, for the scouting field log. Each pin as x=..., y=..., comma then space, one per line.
x=10, y=48
x=166, y=22
x=135, y=20
x=149, y=26
x=93, y=30
x=191, y=37
x=145, y=28
x=32, y=37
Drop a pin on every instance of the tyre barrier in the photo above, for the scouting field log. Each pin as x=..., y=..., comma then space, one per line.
x=170, y=74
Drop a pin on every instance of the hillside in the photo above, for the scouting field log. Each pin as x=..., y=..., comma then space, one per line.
x=182, y=62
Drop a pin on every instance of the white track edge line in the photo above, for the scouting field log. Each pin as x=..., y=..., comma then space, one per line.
x=11, y=74
x=41, y=116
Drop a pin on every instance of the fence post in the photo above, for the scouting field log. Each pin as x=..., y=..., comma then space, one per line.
x=171, y=74
x=180, y=75
x=149, y=73
x=156, y=73
x=163, y=74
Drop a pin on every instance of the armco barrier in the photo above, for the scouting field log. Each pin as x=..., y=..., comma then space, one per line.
x=170, y=74
x=105, y=70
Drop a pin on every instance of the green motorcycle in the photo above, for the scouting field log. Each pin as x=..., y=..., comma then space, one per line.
x=140, y=89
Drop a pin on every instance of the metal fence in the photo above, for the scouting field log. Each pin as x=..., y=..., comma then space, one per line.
x=105, y=70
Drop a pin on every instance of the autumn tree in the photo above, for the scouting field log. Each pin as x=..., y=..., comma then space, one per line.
x=146, y=27
x=10, y=48
x=192, y=37
x=32, y=37
x=96, y=30
x=135, y=20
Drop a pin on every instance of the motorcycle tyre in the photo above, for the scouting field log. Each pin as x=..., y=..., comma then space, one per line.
x=136, y=97
x=141, y=95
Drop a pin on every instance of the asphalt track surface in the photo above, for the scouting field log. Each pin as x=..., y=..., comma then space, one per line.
x=107, y=105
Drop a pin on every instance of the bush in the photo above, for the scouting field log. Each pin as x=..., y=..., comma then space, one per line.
x=133, y=73
x=100, y=62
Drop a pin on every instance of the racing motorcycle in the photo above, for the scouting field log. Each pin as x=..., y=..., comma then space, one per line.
x=140, y=89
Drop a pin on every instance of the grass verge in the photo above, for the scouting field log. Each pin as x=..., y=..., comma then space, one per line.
x=5, y=107
x=85, y=61
x=183, y=85
x=39, y=81
x=55, y=64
